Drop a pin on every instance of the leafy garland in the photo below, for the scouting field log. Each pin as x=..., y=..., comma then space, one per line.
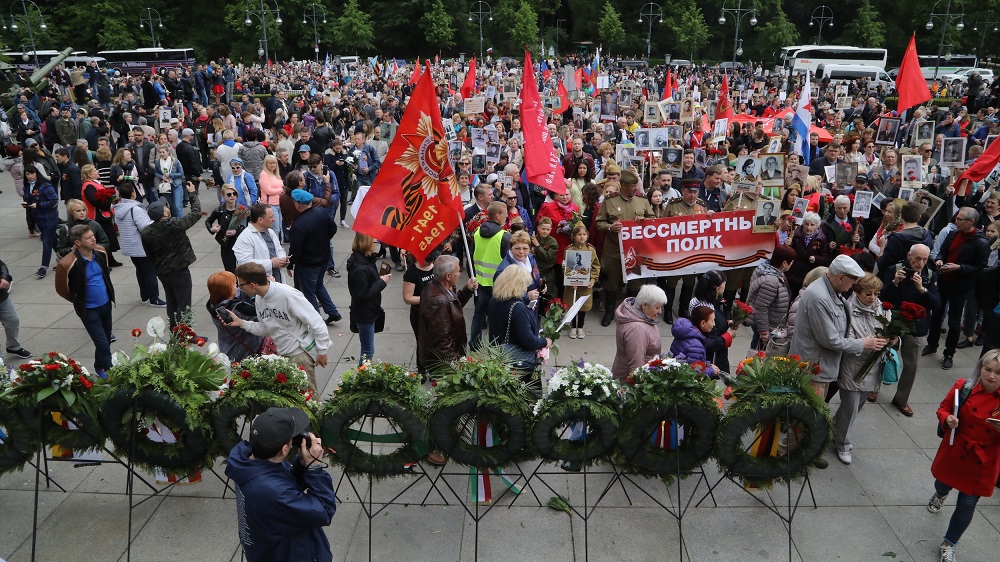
x=169, y=372
x=665, y=390
x=379, y=390
x=258, y=383
x=577, y=392
x=56, y=383
x=481, y=384
x=766, y=390
x=19, y=442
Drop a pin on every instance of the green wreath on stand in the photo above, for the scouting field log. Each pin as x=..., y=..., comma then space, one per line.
x=224, y=419
x=88, y=435
x=373, y=395
x=476, y=395
x=699, y=422
x=18, y=442
x=599, y=440
x=769, y=391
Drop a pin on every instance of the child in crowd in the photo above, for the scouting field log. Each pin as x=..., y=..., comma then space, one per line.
x=693, y=335
x=570, y=294
x=545, y=246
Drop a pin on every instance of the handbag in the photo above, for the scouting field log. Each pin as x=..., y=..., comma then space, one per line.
x=524, y=359
x=891, y=366
x=379, y=322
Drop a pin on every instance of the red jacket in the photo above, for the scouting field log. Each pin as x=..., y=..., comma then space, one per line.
x=554, y=212
x=972, y=464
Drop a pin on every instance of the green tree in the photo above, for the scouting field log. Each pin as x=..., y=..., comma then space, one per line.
x=436, y=25
x=866, y=28
x=524, y=32
x=688, y=28
x=772, y=36
x=354, y=28
x=114, y=35
x=610, y=29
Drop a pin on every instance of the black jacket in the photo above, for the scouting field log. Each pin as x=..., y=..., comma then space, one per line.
x=972, y=256
x=190, y=160
x=309, y=238
x=907, y=292
x=223, y=217
x=365, y=286
x=166, y=241
x=897, y=246
x=71, y=279
x=70, y=183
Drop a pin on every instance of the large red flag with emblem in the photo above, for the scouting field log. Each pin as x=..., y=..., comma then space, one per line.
x=979, y=169
x=415, y=199
x=469, y=86
x=541, y=163
x=724, y=107
x=563, y=98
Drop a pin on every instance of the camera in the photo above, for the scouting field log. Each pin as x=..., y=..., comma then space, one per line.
x=298, y=439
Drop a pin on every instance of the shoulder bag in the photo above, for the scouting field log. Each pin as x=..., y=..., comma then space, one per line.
x=524, y=359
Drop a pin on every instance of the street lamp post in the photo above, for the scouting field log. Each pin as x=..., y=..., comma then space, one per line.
x=314, y=16
x=262, y=14
x=650, y=11
x=946, y=18
x=148, y=18
x=27, y=24
x=559, y=21
x=821, y=15
x=481, y=10
x=739, y=12
x=982, y=35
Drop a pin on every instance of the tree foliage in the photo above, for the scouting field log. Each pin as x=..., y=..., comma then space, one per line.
x=866, y=28
x=610, y=29
x=353, y=29
x=524, y=30
x=769, y=38
x=436, y=25
x=688, y=27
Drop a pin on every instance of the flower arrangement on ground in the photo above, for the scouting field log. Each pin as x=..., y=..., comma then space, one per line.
x=366, y=394
x=159, y=399
x=581, y=401
x=903, y=322
x=671, y=417
x=773, y=399
x=258, y=383
x=56, y=384
x=478, y=395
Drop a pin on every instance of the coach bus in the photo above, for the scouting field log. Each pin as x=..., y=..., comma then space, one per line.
x=796, y=59
x=26, y=59
x=142, y=61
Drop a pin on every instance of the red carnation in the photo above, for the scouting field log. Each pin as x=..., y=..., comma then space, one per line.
x=847, y=227
x=25, y=367
x=86, y=383
x=886, y=305
x=281, y=378
x=434, y=383
x=53, y=355
x=52, y=367
x=200, y=342
x=245, y=374
x=136, y=332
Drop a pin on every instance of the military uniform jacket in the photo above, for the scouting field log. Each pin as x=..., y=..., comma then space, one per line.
x=676, y=207
x=617, y=208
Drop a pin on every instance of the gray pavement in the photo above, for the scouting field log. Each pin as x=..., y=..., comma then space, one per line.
x=870, y=510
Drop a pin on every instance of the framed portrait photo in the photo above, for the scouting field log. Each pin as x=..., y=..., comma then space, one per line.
x=888, y=131
x=953, y=152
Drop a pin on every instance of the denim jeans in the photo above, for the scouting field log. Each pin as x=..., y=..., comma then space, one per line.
x=276, y=227
x=177, y=202
x=366, y=334
x=97, y=321
x=965, y=508
x=145, y=276
x=309, y=280
x=48, y=232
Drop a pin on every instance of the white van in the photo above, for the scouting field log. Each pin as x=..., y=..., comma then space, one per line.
x=840, y=72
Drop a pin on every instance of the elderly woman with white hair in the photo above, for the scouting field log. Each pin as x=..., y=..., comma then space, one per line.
x=812, y=250
x=637, y=335
x=843, y=231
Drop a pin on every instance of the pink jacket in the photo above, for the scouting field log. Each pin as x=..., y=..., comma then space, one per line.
x=271, y=188
x=637, y=339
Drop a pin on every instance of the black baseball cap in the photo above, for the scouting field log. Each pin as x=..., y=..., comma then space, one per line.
x=277, y=426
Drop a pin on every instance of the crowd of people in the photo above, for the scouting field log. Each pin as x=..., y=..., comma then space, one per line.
x=287, y=164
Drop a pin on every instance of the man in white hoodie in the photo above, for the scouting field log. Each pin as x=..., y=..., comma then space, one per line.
x=283, y=313
x=259, y=244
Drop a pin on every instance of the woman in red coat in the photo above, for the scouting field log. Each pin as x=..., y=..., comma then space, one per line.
x=560, y=210
x=972, y=463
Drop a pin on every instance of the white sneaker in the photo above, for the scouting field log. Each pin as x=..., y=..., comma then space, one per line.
x=936, y=503
x=947, y=552
x=844, y=456
x=579, y=333
x=572, y=333
x=343, y=224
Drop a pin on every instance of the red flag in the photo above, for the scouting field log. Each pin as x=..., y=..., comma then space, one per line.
x=541, y=163
x=724, y=108
x=979, y=169
x=563, y=97
x=469, y=86
x=416, y=73
x=578, y=76
x=910, y=81
x=668, y=87
x=415, y=200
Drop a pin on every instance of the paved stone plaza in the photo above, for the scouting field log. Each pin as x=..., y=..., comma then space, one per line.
x=871, y=510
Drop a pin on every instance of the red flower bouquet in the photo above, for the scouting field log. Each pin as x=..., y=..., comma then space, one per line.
x=893, y=326
x=740, y=312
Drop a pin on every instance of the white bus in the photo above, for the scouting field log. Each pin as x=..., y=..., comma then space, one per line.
x=796, y=59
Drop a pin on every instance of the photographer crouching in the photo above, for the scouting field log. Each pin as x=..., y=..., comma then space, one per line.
x=282, y=507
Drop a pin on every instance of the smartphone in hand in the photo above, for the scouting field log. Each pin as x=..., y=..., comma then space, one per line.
x=224, y=314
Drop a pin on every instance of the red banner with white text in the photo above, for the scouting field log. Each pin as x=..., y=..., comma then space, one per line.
x=692, y=244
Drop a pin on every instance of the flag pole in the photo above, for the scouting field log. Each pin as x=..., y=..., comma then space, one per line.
x=468, y=253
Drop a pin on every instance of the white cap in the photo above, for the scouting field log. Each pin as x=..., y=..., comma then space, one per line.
x=846, y=266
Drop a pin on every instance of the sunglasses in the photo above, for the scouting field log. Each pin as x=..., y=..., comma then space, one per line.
x=237, y=167
x=230, y=194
